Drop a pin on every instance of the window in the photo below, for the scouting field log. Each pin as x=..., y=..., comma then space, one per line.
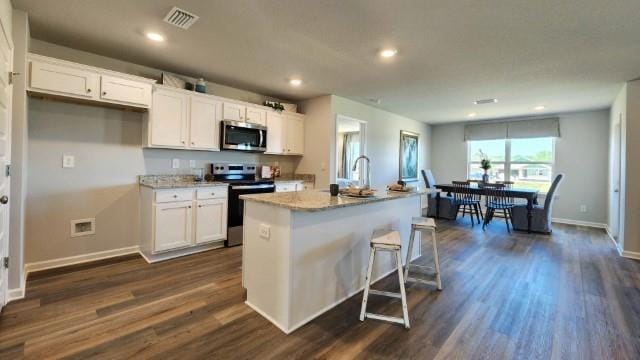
x=526, y=162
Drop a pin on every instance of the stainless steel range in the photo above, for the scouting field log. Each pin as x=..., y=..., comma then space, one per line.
x=242, y=180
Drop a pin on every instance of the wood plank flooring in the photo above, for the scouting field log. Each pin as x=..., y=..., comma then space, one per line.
x=564, y=296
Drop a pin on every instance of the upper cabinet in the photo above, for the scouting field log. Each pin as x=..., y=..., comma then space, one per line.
x=285, y=133
x=181, y=119
x=256, y=116
x=59, y=78
x=233, y=111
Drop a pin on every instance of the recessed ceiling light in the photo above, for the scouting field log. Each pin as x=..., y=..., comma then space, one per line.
x=485, y=101
x=155, y=37
x=539, y=107
x=387, y=53
x=295, y=82
x=472, y=115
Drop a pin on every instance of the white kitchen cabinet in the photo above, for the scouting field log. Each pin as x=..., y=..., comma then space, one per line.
x=234, y=111
x=205, y=117
x=55, y=78
x=294, y=134
x=62, y=79
x=173, y=225
x=125, y=91
x=211, y=220
x=289, y=186
x=167, y=120
x=176, y=222
x=275, y=133
x=256, y=116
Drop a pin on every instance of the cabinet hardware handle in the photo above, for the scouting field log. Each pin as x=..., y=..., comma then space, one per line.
x=88, y=90
x=189, y=206
x=4, y=199
x=193, y=143
x=199, y=205
x=175, y=196
x=104, y=93
x=182, y=141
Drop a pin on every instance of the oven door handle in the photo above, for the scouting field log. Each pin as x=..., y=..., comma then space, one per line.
x=248, y=187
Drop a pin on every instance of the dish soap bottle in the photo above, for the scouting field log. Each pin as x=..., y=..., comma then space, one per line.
x=201, y=86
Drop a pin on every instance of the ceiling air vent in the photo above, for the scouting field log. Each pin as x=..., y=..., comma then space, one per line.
x=485, y=101
x=180, y=18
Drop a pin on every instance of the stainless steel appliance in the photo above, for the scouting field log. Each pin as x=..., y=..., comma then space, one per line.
x=238, y=135
x=242, y=180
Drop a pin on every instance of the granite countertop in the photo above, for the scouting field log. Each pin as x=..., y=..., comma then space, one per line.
x=320, y=200
x=175, y=182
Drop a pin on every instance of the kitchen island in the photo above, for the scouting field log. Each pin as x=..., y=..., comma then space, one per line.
x=305, y=252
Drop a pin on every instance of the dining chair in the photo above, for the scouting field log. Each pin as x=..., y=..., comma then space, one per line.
x=464, y=197
x=445, y=209
x=497, y=199
x=541, y=215
x=508, y=185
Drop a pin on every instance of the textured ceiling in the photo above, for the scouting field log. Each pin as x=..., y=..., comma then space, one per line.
x=567, y=55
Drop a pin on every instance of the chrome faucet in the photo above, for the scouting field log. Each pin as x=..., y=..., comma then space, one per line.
x=367, y=180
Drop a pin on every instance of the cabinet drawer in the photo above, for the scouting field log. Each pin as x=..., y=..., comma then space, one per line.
x=219, y=192
x=163, y=196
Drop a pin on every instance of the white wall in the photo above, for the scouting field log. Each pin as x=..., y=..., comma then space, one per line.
x=317, y=132
x=383, y=139
x=581, y=154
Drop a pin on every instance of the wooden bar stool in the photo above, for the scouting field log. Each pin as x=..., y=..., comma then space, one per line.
x=385, y=240
x=423, y=225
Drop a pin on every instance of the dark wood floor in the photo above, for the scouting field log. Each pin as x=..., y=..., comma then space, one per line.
x=565, y=296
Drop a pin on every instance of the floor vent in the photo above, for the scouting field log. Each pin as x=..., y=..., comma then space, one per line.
x=83, y=227
x=181, y=18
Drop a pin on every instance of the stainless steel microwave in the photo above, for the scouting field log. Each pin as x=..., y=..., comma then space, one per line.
x=238, y=135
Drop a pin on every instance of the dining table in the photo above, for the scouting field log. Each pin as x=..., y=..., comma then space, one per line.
x=530, y=195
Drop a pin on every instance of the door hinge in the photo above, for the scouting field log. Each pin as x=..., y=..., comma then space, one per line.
x=11, y=76
x=7, y=170
x=5, y=262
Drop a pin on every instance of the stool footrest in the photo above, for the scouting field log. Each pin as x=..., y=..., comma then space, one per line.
x=422, y=281
x=385, y=293
x=391, y=319
x=423, y=267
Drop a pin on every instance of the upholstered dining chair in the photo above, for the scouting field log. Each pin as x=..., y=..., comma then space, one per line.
x=541, y=220
x=447, y=210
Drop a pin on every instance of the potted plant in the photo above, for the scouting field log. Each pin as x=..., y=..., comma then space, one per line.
x=485, y=164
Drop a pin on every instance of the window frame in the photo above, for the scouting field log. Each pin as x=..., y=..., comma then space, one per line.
x=507, y=159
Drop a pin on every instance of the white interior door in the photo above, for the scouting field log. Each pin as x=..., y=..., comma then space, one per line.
x=615, y=181
x=6, y=67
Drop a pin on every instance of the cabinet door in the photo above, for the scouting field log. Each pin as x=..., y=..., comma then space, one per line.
x=211, y=220
x=63, y=80
x=168, y=119
x=275, y=133
x=294, y=134
x=233, y=111
x=125, y=91
x=256, y=116
x=205, y=123
x=173, y=225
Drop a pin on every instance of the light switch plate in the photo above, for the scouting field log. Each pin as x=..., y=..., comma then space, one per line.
x=265, y=231
x=175, y=163
x=68, y=161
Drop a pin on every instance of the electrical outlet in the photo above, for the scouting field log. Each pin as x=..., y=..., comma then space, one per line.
x=68, y=161
x=175, y=163
x=265, y=231
x=583, y=208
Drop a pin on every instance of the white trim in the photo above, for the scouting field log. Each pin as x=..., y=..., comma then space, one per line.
x=15, y=294
x=580, y=223
x=79, y=259
x=615, y=243
x=152, y=258
x=631, y=254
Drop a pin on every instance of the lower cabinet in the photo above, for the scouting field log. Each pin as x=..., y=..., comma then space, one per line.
x=211, y=220
x=173, y=227
x=176, y=220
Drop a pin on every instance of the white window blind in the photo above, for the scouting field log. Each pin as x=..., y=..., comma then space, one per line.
x=517, y=129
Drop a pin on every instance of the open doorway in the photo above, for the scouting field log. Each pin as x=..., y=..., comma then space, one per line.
x=350, y=143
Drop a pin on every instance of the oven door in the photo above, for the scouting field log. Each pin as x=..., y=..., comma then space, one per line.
x=236, y=209
x=243, y=136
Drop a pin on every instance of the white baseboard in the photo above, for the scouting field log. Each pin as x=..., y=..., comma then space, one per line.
x=579, y=223
x=79, y=259
x=631, y=254
x=15, y=294
x=152, y=258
